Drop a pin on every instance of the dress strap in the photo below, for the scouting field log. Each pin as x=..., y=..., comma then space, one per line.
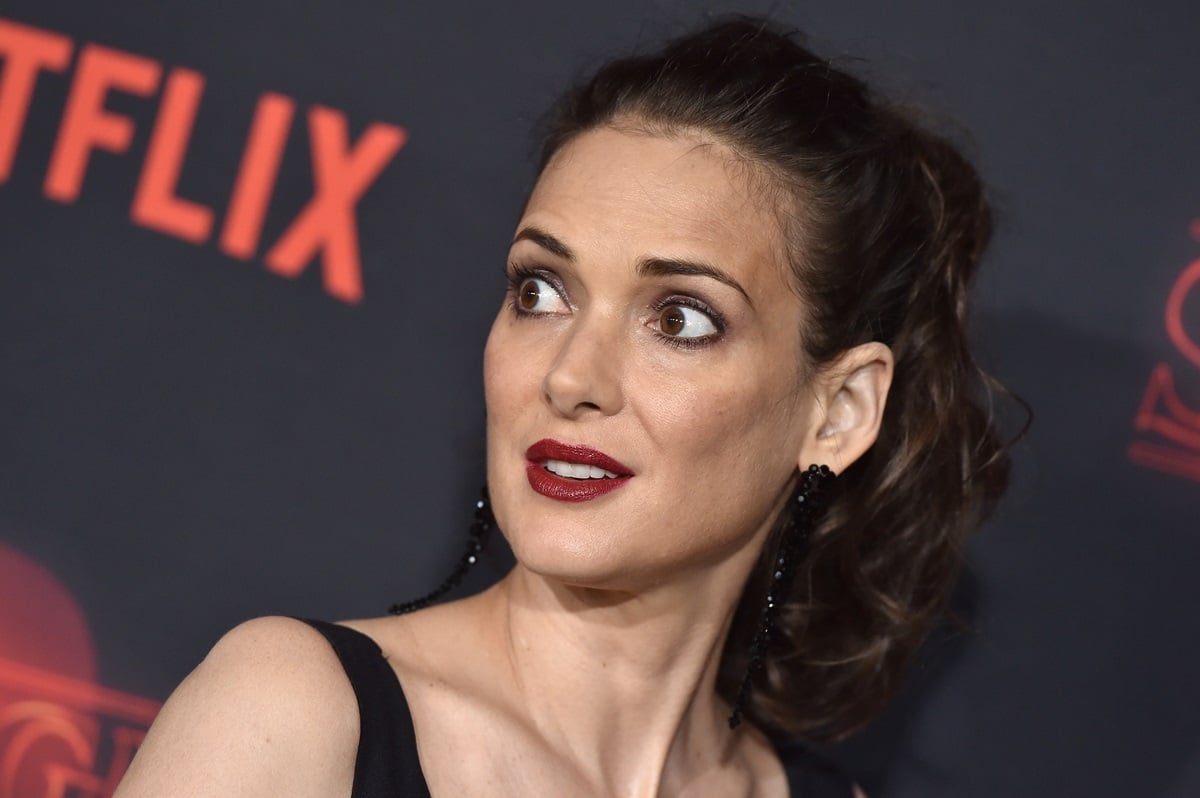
x=387, y=764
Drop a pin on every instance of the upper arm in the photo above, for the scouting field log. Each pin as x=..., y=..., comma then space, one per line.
x=268, y=712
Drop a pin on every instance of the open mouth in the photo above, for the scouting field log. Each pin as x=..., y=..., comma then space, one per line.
x=577, y=470
x=573, y=472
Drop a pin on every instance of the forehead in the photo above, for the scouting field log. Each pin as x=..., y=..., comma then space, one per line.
x=624, y=193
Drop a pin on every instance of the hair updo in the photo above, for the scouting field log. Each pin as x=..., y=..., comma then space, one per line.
x=885, y=224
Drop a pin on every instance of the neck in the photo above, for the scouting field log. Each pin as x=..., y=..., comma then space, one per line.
x=622, y=684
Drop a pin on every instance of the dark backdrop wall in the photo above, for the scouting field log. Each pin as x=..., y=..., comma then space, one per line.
x=250, y=252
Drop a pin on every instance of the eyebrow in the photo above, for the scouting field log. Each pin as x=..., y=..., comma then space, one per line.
x=662, y=267
x=546, y=242
x=646, y=267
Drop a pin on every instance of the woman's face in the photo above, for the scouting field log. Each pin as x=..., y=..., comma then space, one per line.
x=647, y=404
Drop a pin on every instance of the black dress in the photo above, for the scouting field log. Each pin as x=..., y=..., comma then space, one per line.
x=387, y=765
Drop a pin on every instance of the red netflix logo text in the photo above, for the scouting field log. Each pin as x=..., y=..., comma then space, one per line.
x=342, y=170
x=1170, y=439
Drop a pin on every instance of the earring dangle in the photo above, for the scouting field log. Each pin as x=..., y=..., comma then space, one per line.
x=801, y=515
x=481, y=529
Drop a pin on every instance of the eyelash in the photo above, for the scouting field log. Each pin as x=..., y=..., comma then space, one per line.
x=517, y=274
x=690, y=344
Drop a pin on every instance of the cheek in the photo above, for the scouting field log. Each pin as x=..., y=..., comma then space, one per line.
x=512, y=386
x=501, y=385
x=492, y=365
x=508, y=371
x=730, y=428
x=502, y=400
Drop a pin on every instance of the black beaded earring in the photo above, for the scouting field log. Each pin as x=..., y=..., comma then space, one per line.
x=481, y=529
x=804, y=509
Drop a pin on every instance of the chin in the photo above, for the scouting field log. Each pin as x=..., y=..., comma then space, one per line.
x=581, y=561
x=561, y=554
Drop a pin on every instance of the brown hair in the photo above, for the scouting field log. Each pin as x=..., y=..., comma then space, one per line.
x=886, y=226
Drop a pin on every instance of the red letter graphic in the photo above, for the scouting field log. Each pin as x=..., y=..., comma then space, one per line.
x=341, y=176
x=86, y=125
x=155, y=204
x=256, y=176
x=26, y=51
x=1175, y=329
x=1162, y=409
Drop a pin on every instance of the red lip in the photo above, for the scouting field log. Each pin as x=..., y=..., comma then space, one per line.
x=565, y=489
x=547, y=449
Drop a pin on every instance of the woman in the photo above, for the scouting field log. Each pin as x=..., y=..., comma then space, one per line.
x=738, y=273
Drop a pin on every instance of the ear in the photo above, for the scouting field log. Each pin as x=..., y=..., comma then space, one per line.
x=850, y=396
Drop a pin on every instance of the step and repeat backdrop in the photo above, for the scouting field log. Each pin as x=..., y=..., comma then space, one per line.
x=249, y=253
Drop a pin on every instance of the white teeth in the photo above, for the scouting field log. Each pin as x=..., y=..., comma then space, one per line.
x=577, y=470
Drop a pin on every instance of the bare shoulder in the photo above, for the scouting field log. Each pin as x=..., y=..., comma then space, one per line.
x=438, y=644
x=268, y=712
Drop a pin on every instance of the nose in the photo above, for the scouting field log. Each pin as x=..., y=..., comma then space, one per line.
x=585, y=375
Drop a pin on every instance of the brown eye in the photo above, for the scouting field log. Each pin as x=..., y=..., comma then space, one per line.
x=537, y=296
x=528, y=294
x=681, y=321
x=672, y=320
